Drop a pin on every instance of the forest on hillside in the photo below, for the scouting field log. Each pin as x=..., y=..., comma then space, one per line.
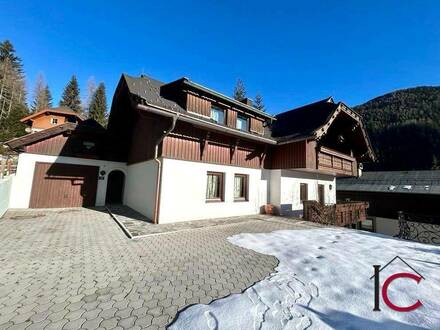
x=404, y=128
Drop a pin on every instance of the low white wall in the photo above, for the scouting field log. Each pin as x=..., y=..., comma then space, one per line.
x=289, y=190
x=5, y=192
x=387, y=226
x=22, y=183
x=140, y=187
x=183, y=192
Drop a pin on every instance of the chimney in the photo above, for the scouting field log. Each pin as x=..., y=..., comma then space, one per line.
x=247, y=101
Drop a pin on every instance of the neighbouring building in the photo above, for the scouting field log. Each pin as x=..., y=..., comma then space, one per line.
x=50, y=117
x=180, y=151
x=414, y=193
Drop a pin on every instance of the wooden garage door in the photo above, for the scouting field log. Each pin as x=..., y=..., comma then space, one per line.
x=63, y=185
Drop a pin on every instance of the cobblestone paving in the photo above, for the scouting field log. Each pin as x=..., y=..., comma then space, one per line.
x=138, y=225
x=75, y=269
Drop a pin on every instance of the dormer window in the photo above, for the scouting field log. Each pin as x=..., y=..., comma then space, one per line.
x=218, y=115
x=54, y=121
x=242, y=123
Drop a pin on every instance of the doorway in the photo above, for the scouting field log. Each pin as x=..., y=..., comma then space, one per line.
x=115, y=187
x=321, y=195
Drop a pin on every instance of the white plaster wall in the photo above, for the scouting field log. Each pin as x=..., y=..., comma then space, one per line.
x=22, y=183
x=290, y=202
x=183, y=192
x=5, y=193
x=140, y=187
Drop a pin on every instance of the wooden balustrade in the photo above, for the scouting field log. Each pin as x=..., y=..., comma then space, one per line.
x=333, y=161
x=340, y=214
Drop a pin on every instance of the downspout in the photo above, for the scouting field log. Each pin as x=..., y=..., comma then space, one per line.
x=174, y=118
x=159, y=168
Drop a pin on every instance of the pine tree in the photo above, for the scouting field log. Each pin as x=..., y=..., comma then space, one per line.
x=239, y=90
x=259, y=104
x=71, y=97
x=12, y=93
x=98, y=106
x=42, y=97
x=48, y=96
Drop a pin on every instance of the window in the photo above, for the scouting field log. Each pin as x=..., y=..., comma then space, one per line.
x=218, y=115
x=240, y=187
x=242, y=123
x=214, y=187
x=54, y=121
x=304, y=192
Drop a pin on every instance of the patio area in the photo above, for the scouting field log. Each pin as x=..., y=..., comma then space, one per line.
x=75, y=269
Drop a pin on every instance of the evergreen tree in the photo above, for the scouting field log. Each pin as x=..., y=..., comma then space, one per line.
x=48, y=96
x=239, y=90
x=12, y=93
x=71, y=97
x=98, y=106
x=259, y=104
x=42, y=96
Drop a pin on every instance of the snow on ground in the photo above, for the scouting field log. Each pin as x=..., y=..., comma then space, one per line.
x=323, y=282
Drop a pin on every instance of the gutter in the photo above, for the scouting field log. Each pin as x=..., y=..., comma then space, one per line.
x=202, y=123
x=174, y=117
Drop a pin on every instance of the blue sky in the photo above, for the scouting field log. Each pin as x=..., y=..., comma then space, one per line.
x=292, y=52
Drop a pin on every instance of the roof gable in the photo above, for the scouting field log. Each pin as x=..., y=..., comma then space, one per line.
x=58, y=110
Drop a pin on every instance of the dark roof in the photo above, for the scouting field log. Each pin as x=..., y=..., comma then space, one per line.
x=58, y=110
x=408, y=182
x=150, y=91
x=303, y=121
x=88, y=125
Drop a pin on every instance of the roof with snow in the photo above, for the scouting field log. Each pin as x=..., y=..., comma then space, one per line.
x=406, y=182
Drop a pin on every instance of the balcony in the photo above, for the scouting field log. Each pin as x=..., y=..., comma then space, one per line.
x=341, y=214
x=336, y=162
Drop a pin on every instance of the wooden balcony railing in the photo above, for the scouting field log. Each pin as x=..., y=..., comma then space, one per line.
x=336, y=162
x=340, y=214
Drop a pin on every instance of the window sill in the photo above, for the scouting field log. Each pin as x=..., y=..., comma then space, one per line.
x=240, y=200
x=214, y=201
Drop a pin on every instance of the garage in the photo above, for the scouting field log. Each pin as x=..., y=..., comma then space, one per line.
x=63, y=185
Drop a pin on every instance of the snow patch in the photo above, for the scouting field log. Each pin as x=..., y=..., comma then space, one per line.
x=323, y=282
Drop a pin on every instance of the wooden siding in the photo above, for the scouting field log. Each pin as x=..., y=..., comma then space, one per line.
x=231, y=118
x=189, y=143
x=291, y=155
x=146, y=132
x=63, y=185
x=198, y=105
x=256, y=126
x=44, y=121
x=336, y=162
x=71, y=145
x=52, y=146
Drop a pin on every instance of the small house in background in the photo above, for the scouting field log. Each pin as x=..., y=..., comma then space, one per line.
x=50, y=117
x=415, y=194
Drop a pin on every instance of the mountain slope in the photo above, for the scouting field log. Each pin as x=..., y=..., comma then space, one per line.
x=404, y=127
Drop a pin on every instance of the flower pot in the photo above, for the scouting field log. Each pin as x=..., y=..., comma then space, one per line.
x=269, y=209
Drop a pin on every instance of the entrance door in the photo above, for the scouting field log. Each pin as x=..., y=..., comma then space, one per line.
x=115, y=187
x=321, y=196
x=63, y=185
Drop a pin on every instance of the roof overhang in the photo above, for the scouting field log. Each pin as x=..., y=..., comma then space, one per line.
x=24, y=140
x=58, y=111
x=342, y=108
x=226, y=99
x=203, y=123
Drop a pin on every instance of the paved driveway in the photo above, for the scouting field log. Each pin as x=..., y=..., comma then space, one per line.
x=75, y=268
